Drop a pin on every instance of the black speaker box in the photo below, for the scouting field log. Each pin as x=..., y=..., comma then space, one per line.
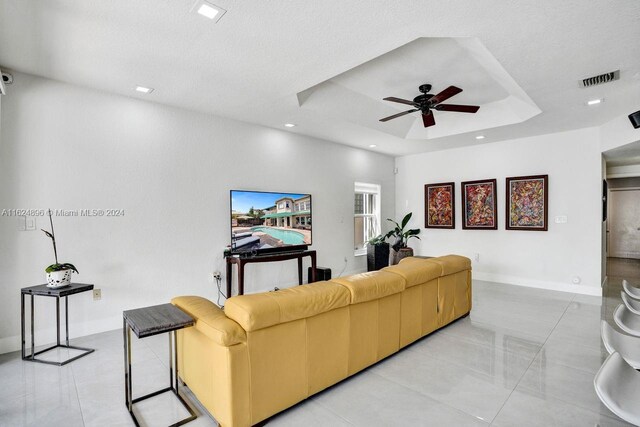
x=322, y=273
x=635, y=119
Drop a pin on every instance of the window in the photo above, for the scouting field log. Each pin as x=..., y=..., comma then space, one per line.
x=366, y=218
x=302, y=206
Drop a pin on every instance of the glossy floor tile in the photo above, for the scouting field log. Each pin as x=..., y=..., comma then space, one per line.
x=530, y=410
x=524, y=357
x=369, y=399
x=478, y=394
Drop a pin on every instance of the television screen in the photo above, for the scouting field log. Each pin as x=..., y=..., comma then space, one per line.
x=269, y=222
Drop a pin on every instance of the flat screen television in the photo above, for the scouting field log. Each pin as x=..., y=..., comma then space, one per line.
x=264, y=221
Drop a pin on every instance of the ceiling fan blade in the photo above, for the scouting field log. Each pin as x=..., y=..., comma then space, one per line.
x=458, y=108
x=400, y=100
x=428, y=119
x=398, y=115
x=444, y=95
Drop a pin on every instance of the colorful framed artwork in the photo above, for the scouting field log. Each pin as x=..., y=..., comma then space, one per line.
x=439, y=205
x=479, y=205
x=527, y=198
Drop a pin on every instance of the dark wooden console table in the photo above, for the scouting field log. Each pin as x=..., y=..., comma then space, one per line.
x=242, y=261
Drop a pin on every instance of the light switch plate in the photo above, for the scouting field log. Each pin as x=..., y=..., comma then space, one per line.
x=30, y=223
x=561, y=219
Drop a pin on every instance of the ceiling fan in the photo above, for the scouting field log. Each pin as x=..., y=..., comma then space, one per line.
x=427, y=102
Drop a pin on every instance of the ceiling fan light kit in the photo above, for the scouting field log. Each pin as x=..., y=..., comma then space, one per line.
x=427, y=102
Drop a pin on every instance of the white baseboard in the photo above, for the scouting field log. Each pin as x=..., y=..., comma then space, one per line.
x=540, y=284
x=9, y=344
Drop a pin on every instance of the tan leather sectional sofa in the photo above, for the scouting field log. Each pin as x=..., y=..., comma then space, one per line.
x=266, y=352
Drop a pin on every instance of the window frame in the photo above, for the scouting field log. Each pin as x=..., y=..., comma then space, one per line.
x=376, y=190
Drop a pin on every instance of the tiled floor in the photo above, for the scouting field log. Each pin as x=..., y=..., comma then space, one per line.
x=524, y=357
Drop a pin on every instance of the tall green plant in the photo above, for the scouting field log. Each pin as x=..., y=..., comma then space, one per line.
x=56, y=266
x=402, y=236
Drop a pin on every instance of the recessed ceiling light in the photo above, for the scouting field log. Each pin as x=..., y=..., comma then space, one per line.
x=143, y=89
x=594, y=101
x=208, y=10
x=289, y=125
x=372, y=145
x=480, y=137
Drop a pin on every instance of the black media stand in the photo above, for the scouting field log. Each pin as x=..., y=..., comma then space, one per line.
x=283, y=256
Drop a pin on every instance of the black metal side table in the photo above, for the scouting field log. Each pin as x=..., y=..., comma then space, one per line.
x=57, y=293
x=146, y=322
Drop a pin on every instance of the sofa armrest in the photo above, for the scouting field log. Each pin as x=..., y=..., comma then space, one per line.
x=211, y=320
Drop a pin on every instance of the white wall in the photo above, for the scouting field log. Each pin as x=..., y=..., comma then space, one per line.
x=540, y=259
x=617, y=132
x=171, y=170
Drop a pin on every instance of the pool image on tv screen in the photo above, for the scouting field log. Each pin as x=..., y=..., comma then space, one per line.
x=269, y=221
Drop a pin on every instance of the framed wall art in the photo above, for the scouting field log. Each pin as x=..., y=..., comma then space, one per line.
x=439, y=205
x=479, y=205
x=527, y=198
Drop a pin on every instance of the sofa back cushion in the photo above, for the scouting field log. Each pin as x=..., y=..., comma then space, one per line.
x=452, y=263
x=416, y=271
x=371, y=286
x=259, y=311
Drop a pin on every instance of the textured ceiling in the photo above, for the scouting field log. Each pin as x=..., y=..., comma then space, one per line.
x=356, y=96
x=253, y=62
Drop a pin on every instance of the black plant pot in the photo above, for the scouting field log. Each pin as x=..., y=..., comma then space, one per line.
x=377, y=256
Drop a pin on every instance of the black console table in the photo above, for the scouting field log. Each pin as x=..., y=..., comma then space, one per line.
x=242, y=261
x=57, y=293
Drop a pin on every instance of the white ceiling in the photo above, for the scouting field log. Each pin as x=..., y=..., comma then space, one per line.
x=356, y=96
x=624, y=156
x=252, y=63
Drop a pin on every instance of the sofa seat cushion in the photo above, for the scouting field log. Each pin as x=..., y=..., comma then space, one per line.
x=259, y=311
x=417, y=271
x=452, y=263
x=210, y=320
x=372, y=285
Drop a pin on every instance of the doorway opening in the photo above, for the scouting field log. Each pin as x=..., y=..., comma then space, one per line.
x=622, y=235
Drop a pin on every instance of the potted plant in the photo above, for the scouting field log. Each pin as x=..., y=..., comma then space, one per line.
x=399, y=248
x=58, y=275
x=377, y=253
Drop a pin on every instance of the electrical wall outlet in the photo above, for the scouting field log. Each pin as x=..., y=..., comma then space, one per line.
x=477, y=257
x=97, y=294
x=217, y=275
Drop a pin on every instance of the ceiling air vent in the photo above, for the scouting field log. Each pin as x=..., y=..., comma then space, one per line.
x=600, y=79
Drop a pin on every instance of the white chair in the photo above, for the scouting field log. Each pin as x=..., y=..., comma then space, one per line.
x=632, y=304
x=632, y=291
x=627, y=321
x=627, y=345
x=618, y=386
